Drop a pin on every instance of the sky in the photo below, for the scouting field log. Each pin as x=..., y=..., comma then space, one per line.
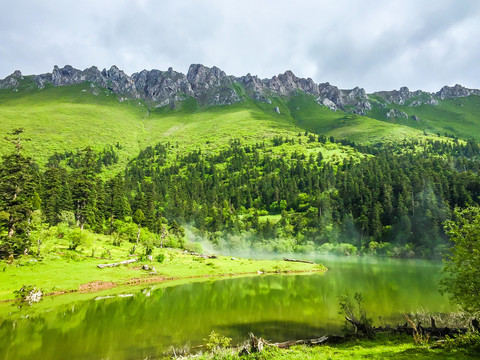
x=376, y=45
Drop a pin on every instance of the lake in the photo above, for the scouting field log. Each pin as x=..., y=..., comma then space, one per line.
x=145, y=322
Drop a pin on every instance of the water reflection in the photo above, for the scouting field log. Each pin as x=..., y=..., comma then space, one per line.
x=274, y=307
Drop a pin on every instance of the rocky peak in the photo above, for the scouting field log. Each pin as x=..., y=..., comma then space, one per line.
x=211, y=85
x=202, y=77
x=11, y=81
x=66, y=76
x=162, y=87
x=404, y=96
x=448, y=92
x=254, y=87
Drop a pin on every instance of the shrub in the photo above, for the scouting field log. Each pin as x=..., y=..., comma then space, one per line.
x=77, y=237
x=216, y=341
x=160, y=258
x=355, y=313
x=469, y=341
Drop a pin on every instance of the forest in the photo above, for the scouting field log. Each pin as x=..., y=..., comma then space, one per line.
x=385, y=199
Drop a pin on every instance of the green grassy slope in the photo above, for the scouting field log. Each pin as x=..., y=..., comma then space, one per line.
x=309, y=115
x=69, y=118
x=459, y=117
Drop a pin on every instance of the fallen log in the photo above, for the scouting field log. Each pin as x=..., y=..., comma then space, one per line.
x=101, y=266
x=205, y=256
x=358, y=326
x=300, y=261
x=326, y=339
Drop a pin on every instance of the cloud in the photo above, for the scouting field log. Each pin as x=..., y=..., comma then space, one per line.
x=371, y=44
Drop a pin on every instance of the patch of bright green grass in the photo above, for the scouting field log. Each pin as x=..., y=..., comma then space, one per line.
x=384, y=346
x=459, y=117
x=306, y=113
x=69, y=118
x=59, y=269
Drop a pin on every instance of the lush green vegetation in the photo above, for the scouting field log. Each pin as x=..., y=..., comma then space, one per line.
x=54, y=267
x=62, y=120
x=103, y=179
x=383, y=347
x=285, y=194
x=454, y=117
x=462, y=264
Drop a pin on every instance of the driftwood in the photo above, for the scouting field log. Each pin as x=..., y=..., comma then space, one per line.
x=101, y=266
x=367, y=330
x=256, y=344
x=300, y=261
x=205, y=256
x=326, y=339
x=433, y=330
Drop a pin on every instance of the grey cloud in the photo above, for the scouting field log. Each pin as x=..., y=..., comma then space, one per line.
x=371, y=44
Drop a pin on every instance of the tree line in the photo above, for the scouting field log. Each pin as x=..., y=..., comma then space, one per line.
x=389, y=200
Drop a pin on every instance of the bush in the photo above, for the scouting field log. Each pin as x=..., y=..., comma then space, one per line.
x=194, y=247
x=160, y=258
x=216, y=341
x=469, y=341
x=354, y=310
x=77, y=237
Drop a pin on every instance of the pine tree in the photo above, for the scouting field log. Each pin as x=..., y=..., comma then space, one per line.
x=17, y=196
x=84, y=189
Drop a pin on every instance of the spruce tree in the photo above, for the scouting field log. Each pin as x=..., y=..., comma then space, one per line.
x=17, y=195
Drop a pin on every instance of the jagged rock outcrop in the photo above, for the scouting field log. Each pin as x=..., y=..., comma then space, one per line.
x=404, y=95
x=162, y=87
x=254, y=87
x=449, y=92
x=394, y=113
x=12, y=81
x=211, y=86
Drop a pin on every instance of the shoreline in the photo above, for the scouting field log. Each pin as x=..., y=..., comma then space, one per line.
x=98, y=285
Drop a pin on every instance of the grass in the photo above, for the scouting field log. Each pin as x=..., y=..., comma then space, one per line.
x=384, y=346
x=61, y=270
x=309, y=115
x=68, y=118
x=459, y=117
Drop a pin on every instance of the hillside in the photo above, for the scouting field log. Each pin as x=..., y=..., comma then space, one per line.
x=278, y=164
x=60, y=119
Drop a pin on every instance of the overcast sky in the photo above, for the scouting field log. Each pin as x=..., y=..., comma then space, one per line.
x=377, y=45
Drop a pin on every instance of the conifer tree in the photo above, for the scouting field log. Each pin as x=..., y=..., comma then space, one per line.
x=17, y=196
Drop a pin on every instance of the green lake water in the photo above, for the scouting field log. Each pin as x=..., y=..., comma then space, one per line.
x=145, y=322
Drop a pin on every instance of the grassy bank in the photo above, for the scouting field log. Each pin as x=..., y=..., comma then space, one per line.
x=384, y=346
x=57, y=269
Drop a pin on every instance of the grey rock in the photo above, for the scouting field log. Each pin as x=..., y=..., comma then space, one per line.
x=12, y=81
x=211, y=86
x=394, y=113
x=415, y=118
x=448, y=92
x=277, y=110
x=162, y=87
x=328, y=103
x=404, y=95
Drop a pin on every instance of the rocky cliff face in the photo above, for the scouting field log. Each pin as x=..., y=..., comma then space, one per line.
x=406, y=97
x=211, y=86
x=448, y=92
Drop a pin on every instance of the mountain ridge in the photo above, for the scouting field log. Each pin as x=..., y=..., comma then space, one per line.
x=212, y=86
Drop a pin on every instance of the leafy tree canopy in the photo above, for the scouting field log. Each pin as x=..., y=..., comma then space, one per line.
x=462, y=265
